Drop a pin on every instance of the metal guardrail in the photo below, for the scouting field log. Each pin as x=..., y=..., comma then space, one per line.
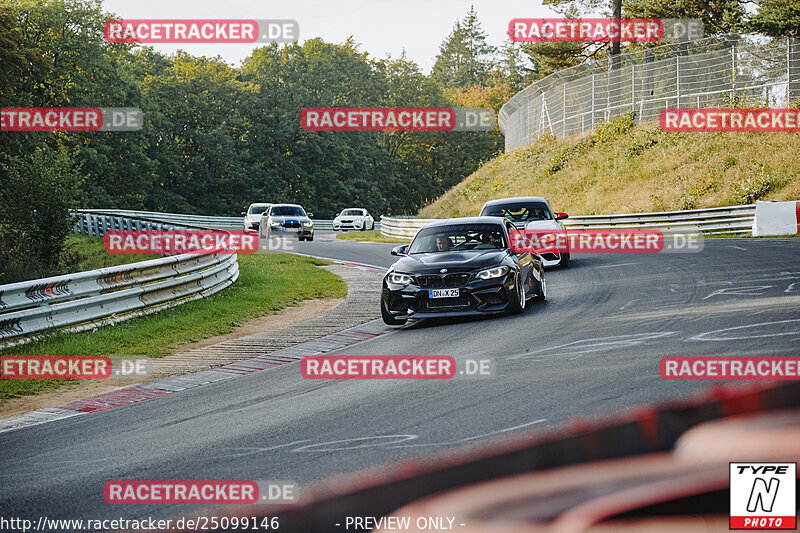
x=177, y=219
x=734, y=219
x=85, y=300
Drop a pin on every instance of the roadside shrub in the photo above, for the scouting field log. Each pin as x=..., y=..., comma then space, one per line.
x=37, y=192
x=612, y=129
x=755, y=187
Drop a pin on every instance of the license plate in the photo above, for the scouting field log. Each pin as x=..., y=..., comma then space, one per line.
x=443, y=293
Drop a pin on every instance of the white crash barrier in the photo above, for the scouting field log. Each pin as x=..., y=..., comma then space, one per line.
x=732, y=219
x=776, y=218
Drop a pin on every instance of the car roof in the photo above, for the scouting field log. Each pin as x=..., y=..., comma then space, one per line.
x=359, y=208
x=259, y=204
x=516, y=199
x=288, y=205
x=466, y=220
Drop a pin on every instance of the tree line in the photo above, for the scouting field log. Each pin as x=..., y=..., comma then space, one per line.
x=217, y=137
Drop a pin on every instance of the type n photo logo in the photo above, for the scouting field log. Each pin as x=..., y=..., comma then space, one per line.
x=763, y=495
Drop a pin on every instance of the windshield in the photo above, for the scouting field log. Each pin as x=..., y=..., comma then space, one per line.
x=520, y=212
x=351, y=212
x=258, y=209
x=458, y=238
x=287, y=211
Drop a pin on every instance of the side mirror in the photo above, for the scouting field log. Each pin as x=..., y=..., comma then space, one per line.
x=243, y=213
x=400, y=250
x=561, y=216
x=310, y=215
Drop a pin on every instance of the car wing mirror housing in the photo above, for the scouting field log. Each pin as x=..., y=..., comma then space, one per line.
x=561, y=216
x=400, y=250
x=310, y=215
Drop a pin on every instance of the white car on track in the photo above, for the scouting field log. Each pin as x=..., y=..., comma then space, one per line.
x=252, y=217
x=531, y=213
x=353, y=218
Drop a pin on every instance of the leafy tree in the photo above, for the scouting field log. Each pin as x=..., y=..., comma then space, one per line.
x=720, y=16
x=465, y=58
x=37, y=192
x=516, y=67
x=777, y=18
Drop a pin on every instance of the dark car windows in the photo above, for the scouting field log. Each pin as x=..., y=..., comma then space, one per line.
x=456, y=238
x=257, y=210
x=287, y=211
x=519, y=212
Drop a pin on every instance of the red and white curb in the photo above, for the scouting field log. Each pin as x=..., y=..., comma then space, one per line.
x=153, y=389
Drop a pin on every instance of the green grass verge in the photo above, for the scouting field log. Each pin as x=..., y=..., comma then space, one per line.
x=370, y=235
x=87, y=253
x=267, y=283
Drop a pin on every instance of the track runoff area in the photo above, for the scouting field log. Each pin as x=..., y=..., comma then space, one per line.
x=648, y=324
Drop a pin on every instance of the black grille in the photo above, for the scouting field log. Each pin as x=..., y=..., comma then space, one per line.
x=437, y=282
x=398, y=304
x=291, y=224
x=447, y=303
x=431, y=282
x=456, y=280
x=496, y=298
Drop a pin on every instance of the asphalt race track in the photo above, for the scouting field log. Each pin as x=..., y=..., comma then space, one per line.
x=591, y=349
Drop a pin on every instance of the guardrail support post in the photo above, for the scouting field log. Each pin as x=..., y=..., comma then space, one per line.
x=793, y=68
x=630, y=60
x=594, y=93
x=563, y=103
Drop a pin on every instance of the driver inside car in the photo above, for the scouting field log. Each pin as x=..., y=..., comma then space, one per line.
x=443, y=243
x=491, y=239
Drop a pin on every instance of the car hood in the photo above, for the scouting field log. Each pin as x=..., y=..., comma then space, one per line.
x=543, y=224
x=285, y=218
x=452, y=261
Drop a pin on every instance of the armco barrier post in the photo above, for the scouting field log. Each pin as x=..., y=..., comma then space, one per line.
x=793, y=68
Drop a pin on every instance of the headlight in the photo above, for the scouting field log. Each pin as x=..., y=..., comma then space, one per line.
x=274, y=223
x=491, y=273
x=400, y=279
x=308, y=224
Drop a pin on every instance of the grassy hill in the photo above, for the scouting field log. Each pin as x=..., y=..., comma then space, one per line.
x=623, y=168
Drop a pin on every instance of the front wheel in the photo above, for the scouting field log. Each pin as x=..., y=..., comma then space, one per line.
x=311, y=238
x=542, y=289
x=564, y=263
x=301, y=238
x=518, y=304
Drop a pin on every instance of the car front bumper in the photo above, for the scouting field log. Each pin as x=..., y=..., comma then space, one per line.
x=477, y=297
x=347, y=225
x=301, y=231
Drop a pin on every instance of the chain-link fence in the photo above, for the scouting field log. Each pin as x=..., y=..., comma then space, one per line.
x=726, y=70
